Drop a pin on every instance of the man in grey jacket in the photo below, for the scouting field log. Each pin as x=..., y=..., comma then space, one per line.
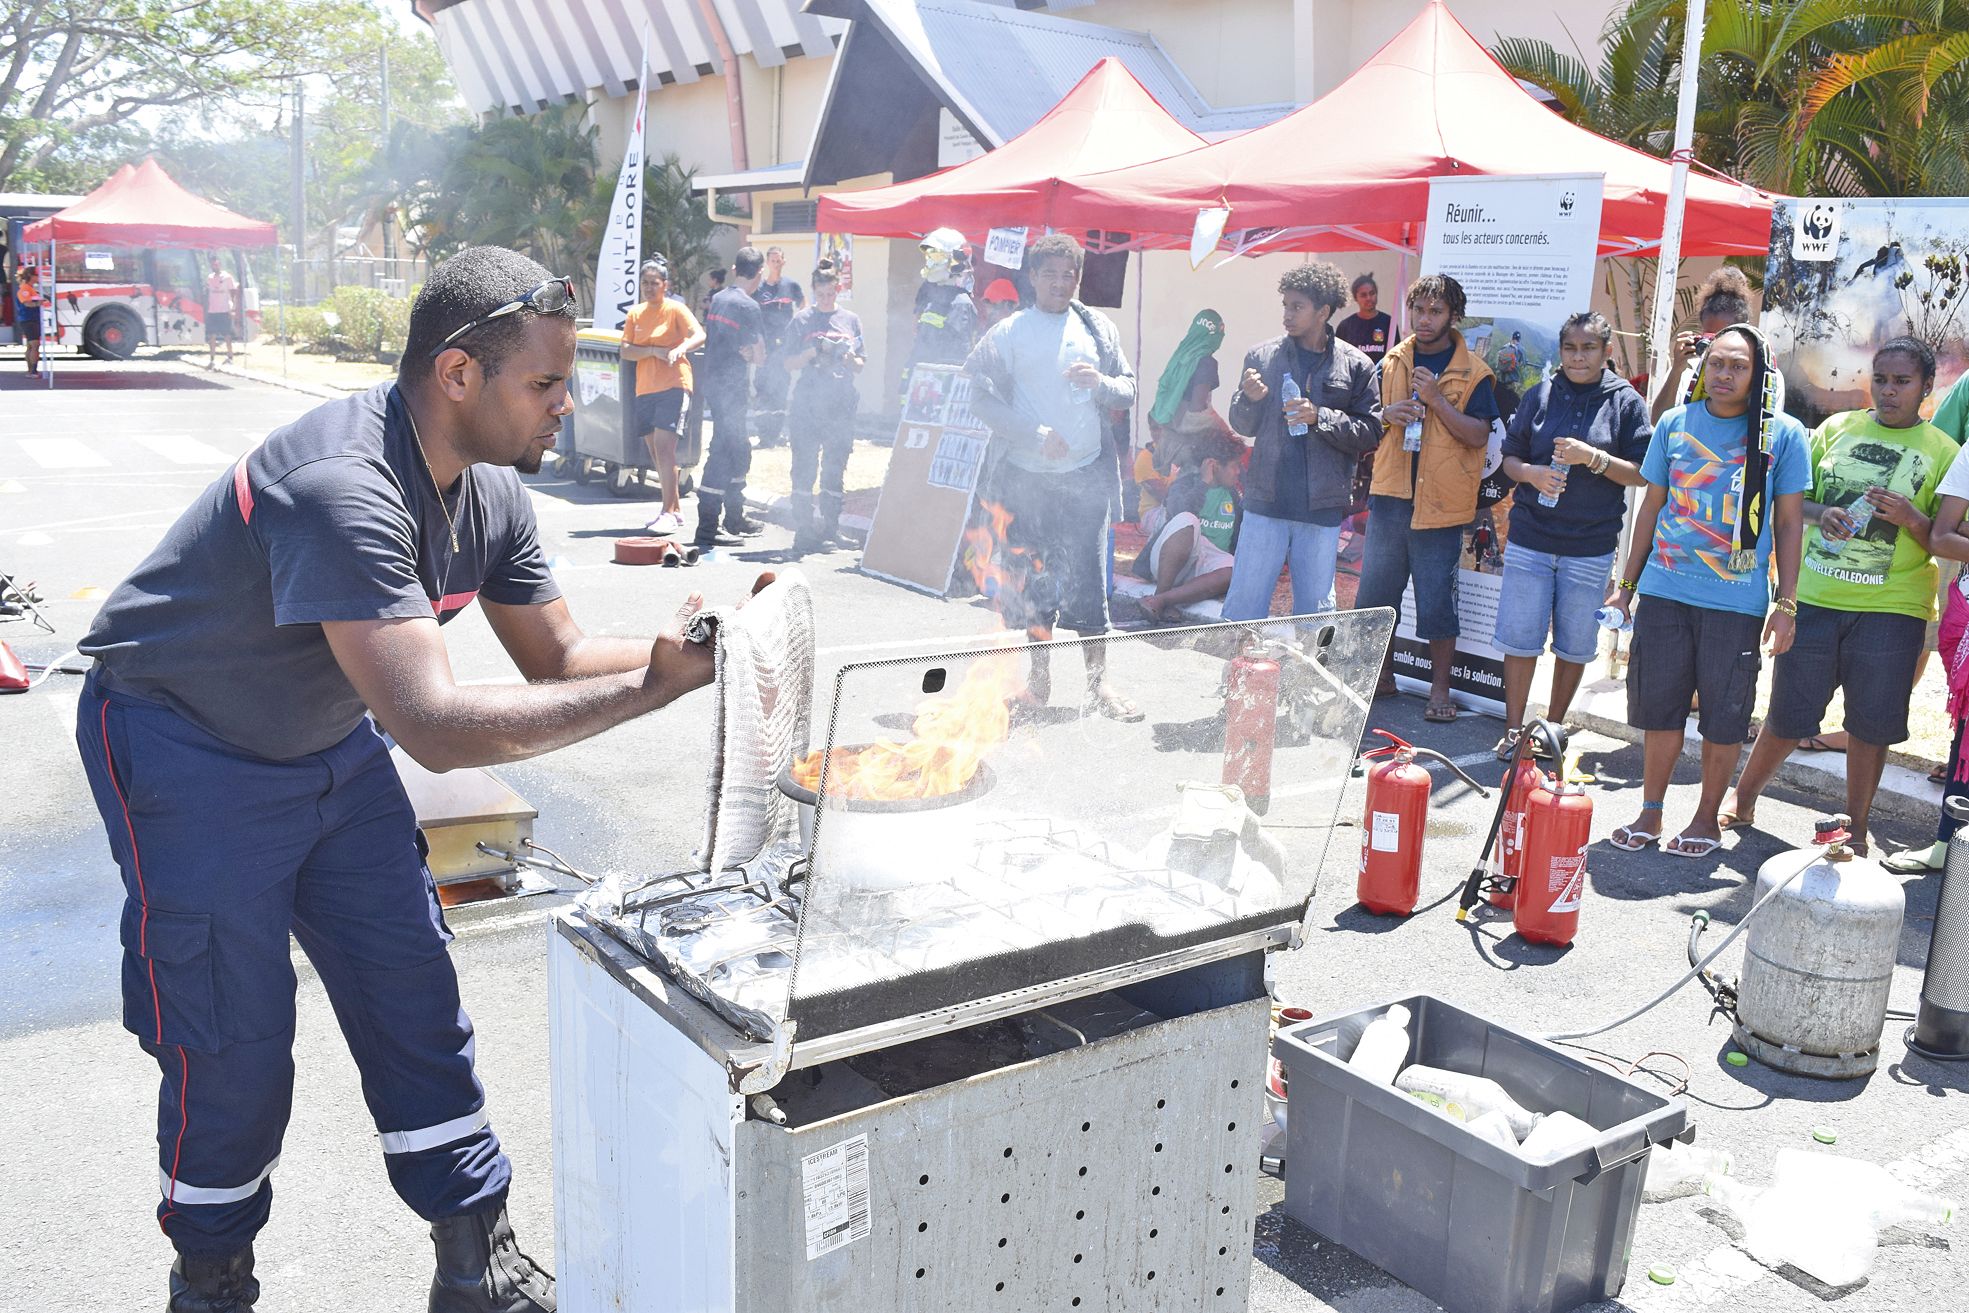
x=1298, y=487
x=1046, y=382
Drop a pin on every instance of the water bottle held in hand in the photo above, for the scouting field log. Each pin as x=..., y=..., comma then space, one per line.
x=1412, y=435
x=1859, y=515
x=1552, y=498
x=1612, y=617
x=1289, y=395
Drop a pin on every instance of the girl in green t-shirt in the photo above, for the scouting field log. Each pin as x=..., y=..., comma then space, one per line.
x=1866, y=589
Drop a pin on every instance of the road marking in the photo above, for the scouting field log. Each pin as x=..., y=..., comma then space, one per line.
x=181, y=449
x=60, y=453
x=89, y=519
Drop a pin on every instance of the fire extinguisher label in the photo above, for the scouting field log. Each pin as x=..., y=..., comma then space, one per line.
x=1387, y=832
x=1569, y=878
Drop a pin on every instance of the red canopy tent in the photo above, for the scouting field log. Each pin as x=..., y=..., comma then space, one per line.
x=1350, y=171
x=1106, y=121
x=142, y=206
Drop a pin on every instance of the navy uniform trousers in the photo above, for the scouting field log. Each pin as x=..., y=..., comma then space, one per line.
x=223, y=855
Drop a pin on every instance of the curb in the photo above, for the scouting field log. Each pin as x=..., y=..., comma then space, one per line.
x=1904, y=794
x=275, y=380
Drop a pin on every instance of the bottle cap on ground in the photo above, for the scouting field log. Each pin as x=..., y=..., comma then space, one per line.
x=1736, y=1059
x=1824, y=1134
x=1662, y=1276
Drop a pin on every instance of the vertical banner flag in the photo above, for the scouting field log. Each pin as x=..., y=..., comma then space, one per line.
x=622, y=241
x=1523, y=249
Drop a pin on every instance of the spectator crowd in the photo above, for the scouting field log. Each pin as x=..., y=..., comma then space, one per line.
x=1752, y=541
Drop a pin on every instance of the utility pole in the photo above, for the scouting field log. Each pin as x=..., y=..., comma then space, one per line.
x=300, y=217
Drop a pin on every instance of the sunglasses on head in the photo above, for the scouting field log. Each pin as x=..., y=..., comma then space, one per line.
x=550, y=298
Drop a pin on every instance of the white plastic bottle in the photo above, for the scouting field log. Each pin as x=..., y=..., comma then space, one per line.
x=1475, y=1095
x=1556, y=1133
x=1676, y=1169
x=1873, y=1187
x=1822, y=1235
x=1383, y=1047
x=1494, y=1127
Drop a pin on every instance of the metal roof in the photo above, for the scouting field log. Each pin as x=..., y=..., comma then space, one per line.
x=1001, y=68
x=523, y=55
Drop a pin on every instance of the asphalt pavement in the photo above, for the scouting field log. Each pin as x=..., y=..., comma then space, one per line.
x=89, y=478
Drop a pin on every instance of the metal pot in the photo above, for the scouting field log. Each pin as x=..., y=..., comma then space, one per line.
x=893, y=843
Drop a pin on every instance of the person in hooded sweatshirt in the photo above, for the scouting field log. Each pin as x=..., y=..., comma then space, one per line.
x=1577, y=441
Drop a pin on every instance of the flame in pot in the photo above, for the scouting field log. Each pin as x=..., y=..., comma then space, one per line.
x=953, y=734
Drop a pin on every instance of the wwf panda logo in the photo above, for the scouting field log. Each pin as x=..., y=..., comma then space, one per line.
x=1566, y=203
x=1819, y=221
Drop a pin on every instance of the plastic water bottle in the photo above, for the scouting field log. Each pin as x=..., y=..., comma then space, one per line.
x=1873, y=1187
x=1815, y=1231
x=1383, y=1047
x=1493, y=1126
x=1412, y=435
x=1475, y=1095
x=1676, y=1169
x=1289, y=392
x=1860, y=513
x=1612, y=617
x=1557, y=1133
x=1552, y=498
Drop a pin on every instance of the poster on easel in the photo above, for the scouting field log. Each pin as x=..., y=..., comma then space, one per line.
x=918, y=526
x=1523, y=250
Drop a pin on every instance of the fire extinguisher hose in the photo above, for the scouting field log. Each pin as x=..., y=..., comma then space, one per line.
x=1553, y=739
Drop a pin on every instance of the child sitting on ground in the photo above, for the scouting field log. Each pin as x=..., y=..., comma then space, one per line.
x=1190, y=558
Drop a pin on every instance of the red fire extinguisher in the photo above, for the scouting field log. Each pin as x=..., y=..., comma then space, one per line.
x=1558, y=827
x=1396, y=822
x=1520, y=778
x=1251, y=726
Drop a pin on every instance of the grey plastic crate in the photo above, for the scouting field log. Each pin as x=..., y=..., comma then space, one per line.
x=1473, y=1226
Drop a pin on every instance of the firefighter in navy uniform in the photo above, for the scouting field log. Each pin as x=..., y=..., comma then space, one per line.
x=946, y=316
x=247, y=796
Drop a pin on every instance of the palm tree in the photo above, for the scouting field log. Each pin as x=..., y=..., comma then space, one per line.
x=524, y=183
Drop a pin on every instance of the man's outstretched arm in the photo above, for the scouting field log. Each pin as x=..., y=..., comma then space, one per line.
x=402, y=672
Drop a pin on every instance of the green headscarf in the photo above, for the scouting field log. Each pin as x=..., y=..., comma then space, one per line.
x=1205, y=336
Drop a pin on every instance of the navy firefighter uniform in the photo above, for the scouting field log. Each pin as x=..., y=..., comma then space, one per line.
x=247, y=797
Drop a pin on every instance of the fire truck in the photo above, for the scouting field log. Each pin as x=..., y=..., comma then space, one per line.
x=112, y=298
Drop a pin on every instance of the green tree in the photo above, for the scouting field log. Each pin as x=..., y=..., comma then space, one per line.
x=524, y=183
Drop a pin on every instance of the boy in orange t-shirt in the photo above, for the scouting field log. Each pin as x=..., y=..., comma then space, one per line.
x=659, y=334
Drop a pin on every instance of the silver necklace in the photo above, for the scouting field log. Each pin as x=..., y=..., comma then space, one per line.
x=464, y=490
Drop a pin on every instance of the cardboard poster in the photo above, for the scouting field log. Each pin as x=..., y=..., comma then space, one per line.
x=919, y=521
x=1523, y=249
x=840, y=248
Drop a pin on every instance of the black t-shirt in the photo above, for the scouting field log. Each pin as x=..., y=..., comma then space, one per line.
x=777, y=304
x=331, y=518
x=733, y=323
x=1370, y=335
x=827, y=373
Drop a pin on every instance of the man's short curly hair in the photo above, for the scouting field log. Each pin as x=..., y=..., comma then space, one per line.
x=1318, y=281
x=1439, y=287
x=474, y=282
x=1057, y=246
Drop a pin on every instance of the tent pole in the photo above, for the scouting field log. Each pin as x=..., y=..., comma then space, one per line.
x=1661, y=345
x=51, y=313
x=1141, y=359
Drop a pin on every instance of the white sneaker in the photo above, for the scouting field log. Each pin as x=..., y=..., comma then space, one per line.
x=666, y=524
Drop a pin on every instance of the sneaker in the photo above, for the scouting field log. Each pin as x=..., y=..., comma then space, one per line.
x=717, y=538
x=744, y=527
x=665, y=525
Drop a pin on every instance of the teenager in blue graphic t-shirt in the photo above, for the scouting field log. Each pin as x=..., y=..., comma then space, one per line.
x=1726, y=478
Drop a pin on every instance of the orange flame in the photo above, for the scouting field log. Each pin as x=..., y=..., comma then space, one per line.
x=953, y=735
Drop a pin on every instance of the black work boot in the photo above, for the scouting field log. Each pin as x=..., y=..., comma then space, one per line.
x=481, y=1268
x=213, y=1285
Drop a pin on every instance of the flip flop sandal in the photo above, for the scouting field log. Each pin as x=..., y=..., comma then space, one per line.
x=1685, y=845
x=1629, y=839
x=1386, y=688
x=1507, y=745
x=1737, y=820
x=1440, y=714
x=1912, y=862
x=1939, y=775
x=1817, y=744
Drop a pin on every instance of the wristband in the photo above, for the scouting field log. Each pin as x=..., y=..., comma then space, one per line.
x=1627, y=586
x=1787, y=605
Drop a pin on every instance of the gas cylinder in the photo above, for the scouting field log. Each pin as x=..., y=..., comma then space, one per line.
x=1819, y=959
x=1392, y=831
x=1251, y=726
x=1523, y=776
x=1552, y=879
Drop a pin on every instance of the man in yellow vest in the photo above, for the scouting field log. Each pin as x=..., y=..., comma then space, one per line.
x=1437, y=405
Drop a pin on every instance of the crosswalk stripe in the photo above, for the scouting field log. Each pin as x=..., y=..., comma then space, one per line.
x=183, y=450
x=60, y=453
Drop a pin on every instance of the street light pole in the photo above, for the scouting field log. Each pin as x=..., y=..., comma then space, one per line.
x=300, y=189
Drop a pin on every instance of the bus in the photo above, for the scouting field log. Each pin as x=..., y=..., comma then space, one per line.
x=113, y=298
